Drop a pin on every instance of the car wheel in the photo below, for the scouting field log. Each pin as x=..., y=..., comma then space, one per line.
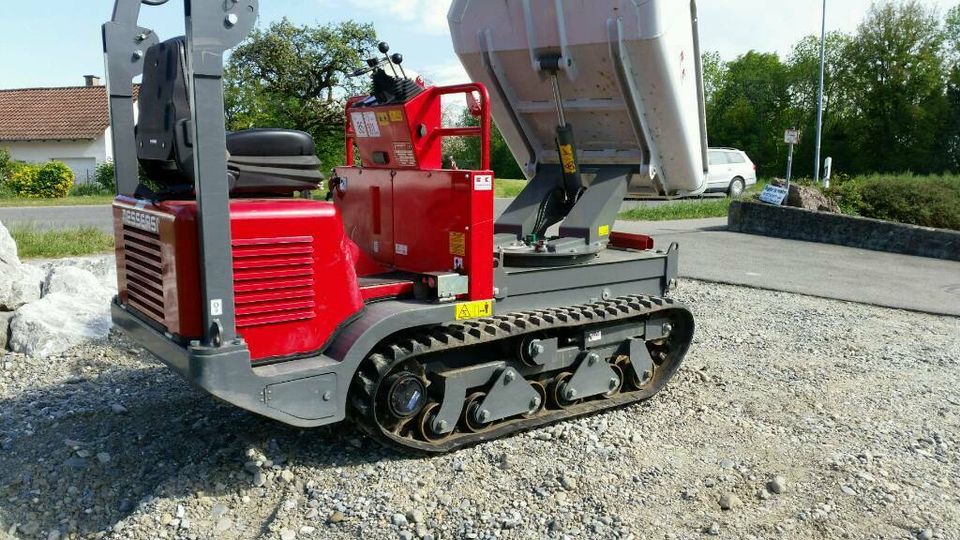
x=737, y=187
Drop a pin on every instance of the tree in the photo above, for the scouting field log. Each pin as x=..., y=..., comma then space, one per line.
x=298, y=77
x=466, y=150
x=952, y=34
x=896, y=66
x=749, y=110
x=714, y=74
x=804, y=73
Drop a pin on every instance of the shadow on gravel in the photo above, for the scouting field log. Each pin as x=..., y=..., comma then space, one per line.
x=72, y=460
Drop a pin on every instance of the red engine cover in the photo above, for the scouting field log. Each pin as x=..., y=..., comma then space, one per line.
x=423, y=221
x=294, y=275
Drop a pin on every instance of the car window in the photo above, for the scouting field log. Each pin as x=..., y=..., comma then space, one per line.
x=735, y=157
x=718, y=158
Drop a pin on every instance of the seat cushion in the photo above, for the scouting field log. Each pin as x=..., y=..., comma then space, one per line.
x=270, y=142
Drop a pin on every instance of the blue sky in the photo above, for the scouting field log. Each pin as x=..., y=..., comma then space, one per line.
x=56, y=42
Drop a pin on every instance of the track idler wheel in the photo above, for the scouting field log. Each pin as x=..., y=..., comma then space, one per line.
x=560, y=395
x=541, y=401
x=425, y=423
x=615, y=385
x=473, y=417
x=405, y=396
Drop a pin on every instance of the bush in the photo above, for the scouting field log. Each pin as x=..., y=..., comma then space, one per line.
x=105, y=177
x=91, y=189
x=47, y=181
x=5, y=162
x=928, y=201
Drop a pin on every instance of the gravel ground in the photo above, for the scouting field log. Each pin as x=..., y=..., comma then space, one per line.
x=806, y=418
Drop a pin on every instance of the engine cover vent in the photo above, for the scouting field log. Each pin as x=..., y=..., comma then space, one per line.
x=274, y=280
x=143, y=262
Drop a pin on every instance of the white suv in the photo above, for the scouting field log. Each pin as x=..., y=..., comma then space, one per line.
x=731, y=171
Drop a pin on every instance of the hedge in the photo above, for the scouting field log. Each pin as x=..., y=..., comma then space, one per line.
x=928, y=201
x=49, y=180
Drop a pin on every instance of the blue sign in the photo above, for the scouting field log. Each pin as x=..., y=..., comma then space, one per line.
x=774, y=195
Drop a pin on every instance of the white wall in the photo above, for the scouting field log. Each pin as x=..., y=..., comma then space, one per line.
x=75, y=151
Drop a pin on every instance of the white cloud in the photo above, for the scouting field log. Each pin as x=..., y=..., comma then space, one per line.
x=446, y=74
x=733, y=27
x=426, y=16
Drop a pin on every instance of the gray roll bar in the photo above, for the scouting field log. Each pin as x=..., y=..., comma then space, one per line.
x=212, y=28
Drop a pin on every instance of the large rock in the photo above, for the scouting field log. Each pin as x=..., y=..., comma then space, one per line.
x=59, y=322
x=20, y=284
x=810, y=198
x=8, y=248
x=104, y=267
x=75, y=281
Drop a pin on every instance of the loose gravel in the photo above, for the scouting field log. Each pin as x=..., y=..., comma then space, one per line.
x=807, y=418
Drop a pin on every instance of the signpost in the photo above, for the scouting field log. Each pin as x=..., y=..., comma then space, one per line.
x=791, y=137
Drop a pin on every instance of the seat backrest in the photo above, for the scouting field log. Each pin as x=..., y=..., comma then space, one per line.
x=164, y=110
x=269, y=162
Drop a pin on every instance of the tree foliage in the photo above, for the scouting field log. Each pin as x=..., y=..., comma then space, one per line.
x=464, y=152
x=891, y=96
x=298, y=77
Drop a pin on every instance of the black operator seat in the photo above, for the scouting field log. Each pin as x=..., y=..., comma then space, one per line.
x=260, y=162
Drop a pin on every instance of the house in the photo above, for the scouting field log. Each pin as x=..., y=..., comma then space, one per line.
x=69, y=124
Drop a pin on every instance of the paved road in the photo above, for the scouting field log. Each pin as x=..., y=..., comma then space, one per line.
x=709, y=252
x=101, y=217
x=59, y=216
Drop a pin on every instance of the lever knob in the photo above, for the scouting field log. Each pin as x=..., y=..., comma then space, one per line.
x=384, y=47
x=397, y=59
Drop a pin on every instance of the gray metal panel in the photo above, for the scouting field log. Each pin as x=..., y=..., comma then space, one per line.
x=212, y=29
x=124, y=47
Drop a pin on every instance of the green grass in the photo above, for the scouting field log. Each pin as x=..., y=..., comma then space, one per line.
x=508, y=189
x=36, y=243
x=7, y=202
x=695, y=209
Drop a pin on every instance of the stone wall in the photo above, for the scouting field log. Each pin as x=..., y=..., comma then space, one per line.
x=796, y=224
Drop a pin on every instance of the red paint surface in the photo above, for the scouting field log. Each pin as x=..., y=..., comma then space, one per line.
x=639, y=242
x=294, y=272
x=419, y=213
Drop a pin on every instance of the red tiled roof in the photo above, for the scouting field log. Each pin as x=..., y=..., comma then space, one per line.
x=39, y=114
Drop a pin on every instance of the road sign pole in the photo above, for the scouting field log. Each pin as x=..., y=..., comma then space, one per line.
x=823, y=49
x=789, y=165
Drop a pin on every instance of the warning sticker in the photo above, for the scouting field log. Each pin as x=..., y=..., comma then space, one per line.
x=373, y=129
x=474, y=310
x=604, y=230
x=359, y=125
x=383, y=119
x=483, y=182
x=396, y=116
x=404, y=154
x=566, y=155
x=458, y=244
x=402, y=249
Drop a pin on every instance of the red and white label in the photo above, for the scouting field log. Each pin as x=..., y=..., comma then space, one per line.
x=483, y=182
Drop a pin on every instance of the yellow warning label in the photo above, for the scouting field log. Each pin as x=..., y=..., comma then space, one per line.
x=383, y=119
x=396, y=116
x=474, y=310
x=604, y=230
x=458, y=244
x=566, y=155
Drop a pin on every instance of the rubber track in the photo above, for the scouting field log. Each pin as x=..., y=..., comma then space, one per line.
x=452, y=336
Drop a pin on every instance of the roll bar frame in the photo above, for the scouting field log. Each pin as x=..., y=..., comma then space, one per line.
x=212, y=28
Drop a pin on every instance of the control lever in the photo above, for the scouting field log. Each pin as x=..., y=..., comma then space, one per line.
x=398, y=60
x=384, y=48
x=372, y=64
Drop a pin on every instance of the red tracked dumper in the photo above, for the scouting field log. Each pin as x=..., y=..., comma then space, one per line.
x=400, y=303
